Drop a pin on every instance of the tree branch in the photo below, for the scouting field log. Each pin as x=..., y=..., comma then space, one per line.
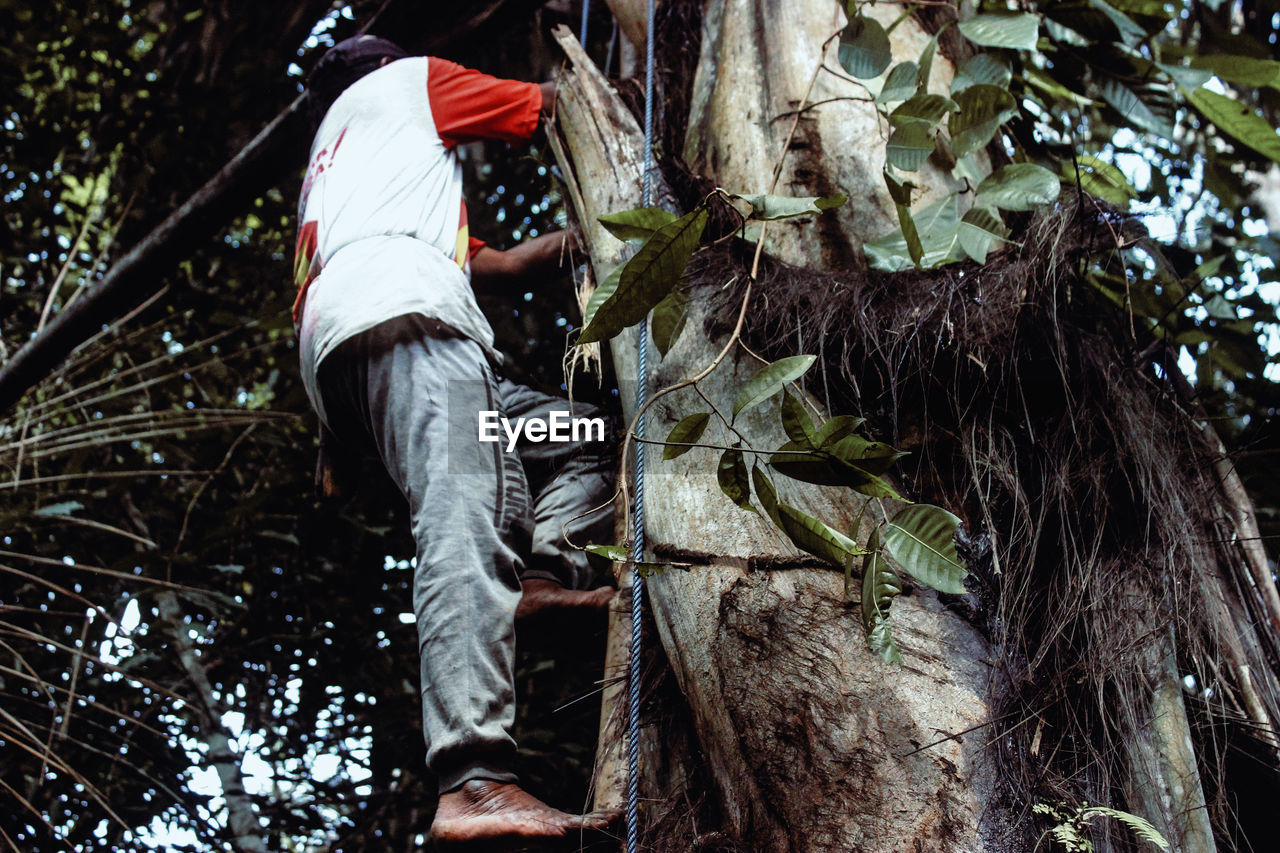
x=258, y=166
x=243, y=825
x=136, y=275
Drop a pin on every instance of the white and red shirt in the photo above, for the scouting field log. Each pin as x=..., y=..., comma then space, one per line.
x=383, y=228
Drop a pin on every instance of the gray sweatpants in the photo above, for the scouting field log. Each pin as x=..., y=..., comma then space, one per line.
x=414, y=395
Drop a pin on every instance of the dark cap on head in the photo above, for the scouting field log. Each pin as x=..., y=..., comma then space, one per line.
x=343, y=64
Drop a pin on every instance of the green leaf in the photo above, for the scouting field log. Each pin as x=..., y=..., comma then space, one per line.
x=920, y=539
x=601, y=294
x=980, y=229
x=767, y=494
x=1209, y=268
x=1126, y=102
x=984, y=68
x=769, y=380
x=1139, y=826
x=215, y=602
x=1017, y=31
x=1019, y=186
x=899, y=191
x=638, y=224
x=810, y=534
x=62, y=508
x=1100, y=178
x=669, y=317
x=687, y=431
x=784, y=207
x=1060, y=34
x=1052, y=87
x=647, y=277
x=819, y=468
x=864, y=48
x=937, y=225
x=1156, y=13
x=1221, y=308
x=983, y=108
x=910, y=234
x=796, y=422
x=900, y=84
x=731, y=474
x=945, y=158
x=648, y=570
x=1187, y=77
x=880, y=585
x=1128, y=32
x=925, y=110
x=872, y=457
x=1241, y=70
x=826, y=468
x=615, y=553
x=926, y=64
x=910, y=146
x=880, y=641
x=837, y=428
x=971, y=168
x=877, y=487
x=1239, y=121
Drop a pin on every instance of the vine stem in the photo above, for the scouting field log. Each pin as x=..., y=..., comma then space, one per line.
x=726, y=421
x=683, y=383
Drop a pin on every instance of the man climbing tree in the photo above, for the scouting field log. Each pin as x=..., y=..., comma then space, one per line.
x=397, y=358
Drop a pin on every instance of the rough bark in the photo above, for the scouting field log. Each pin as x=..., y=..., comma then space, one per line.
x=1164, y=781
x=757, y=59
x=745, y=82
x=810, y=741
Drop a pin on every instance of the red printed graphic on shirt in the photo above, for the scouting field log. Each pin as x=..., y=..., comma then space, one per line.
x=306, y=261
x=323, y=160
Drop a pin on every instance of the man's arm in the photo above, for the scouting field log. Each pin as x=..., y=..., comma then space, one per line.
x=495, y=271
x=467, y=105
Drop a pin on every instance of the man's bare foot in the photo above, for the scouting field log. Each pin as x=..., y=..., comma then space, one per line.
x=487, y=813
x=544, y=597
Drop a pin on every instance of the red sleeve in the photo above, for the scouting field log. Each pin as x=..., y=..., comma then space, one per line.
x=468, y=105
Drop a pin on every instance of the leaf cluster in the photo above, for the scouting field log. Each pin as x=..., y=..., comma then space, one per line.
x=918, y=540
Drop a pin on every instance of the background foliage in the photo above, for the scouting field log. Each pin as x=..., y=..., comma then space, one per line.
x=157, y=488
x=172, y=455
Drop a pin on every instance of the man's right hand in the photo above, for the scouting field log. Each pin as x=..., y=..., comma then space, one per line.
x=494, y=270
x=548, y=96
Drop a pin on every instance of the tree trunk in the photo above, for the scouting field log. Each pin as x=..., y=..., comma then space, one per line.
x=811, y=741
x=804, y=739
